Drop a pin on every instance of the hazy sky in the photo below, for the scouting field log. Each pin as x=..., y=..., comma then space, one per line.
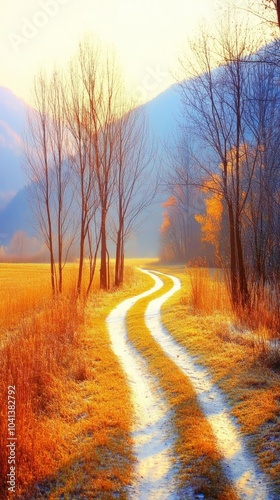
x=148, y=36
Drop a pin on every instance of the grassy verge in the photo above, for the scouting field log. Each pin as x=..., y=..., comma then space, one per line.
x=199, y=459
x=73, y=412
x=21, y=287
x=235, y=363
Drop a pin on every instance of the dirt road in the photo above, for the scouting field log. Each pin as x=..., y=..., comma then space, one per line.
x=153, y=433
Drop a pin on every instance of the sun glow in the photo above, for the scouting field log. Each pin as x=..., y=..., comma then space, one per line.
x=147, y=36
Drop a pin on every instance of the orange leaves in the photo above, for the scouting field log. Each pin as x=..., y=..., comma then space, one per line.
x=165, y=223
x=211, y=221
x=171, y=202
x=211, y=184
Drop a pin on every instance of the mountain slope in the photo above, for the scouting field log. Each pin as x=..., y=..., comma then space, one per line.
x=163, y=112
x=12, y=114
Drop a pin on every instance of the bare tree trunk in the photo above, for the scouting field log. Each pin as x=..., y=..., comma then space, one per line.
x=81, y=259
x=108, y=271
x=118, y=259
x=134, y=192
x=103, y=253
x=92, y=262
x=243, y=286
x=233, y=266
x=121, y=274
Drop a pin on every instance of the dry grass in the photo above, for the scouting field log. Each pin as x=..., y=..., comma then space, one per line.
x=264, y=308
x=73, y=405
x=237, y=366
x=208, y=284
x=200, y=465
x=21, y=288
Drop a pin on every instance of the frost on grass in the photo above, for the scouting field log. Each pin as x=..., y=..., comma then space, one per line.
x=239, y=466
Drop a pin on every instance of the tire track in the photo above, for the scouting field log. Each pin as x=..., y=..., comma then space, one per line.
x=154, y=475
x=239, y=466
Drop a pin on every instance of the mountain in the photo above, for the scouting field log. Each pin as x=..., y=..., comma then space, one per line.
x=12, y=113
x=163, y=112
x=16, y=216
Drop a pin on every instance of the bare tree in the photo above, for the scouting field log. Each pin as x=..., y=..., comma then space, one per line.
x=46, y=164
x=100, y=78
x=214, y=102
x=81, y=135
x=263, y=120
x=135, y=187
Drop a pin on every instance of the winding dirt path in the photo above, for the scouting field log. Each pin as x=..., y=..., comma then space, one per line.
x=240, y=467
x=154, y=476
x=153, y=448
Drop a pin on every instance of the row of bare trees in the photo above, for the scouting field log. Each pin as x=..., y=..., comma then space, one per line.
x=231, y=153
x=87, y=156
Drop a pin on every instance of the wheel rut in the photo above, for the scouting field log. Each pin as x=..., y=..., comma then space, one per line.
x=240, y=467
x=154, y=475
x=155, y=468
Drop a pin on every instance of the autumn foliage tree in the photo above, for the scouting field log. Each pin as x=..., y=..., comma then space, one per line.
x=170, y=234
x=211, y=221
x=179, y=232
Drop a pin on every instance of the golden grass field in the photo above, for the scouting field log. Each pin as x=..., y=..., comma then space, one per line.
x=73, y=409
x=74, y=413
